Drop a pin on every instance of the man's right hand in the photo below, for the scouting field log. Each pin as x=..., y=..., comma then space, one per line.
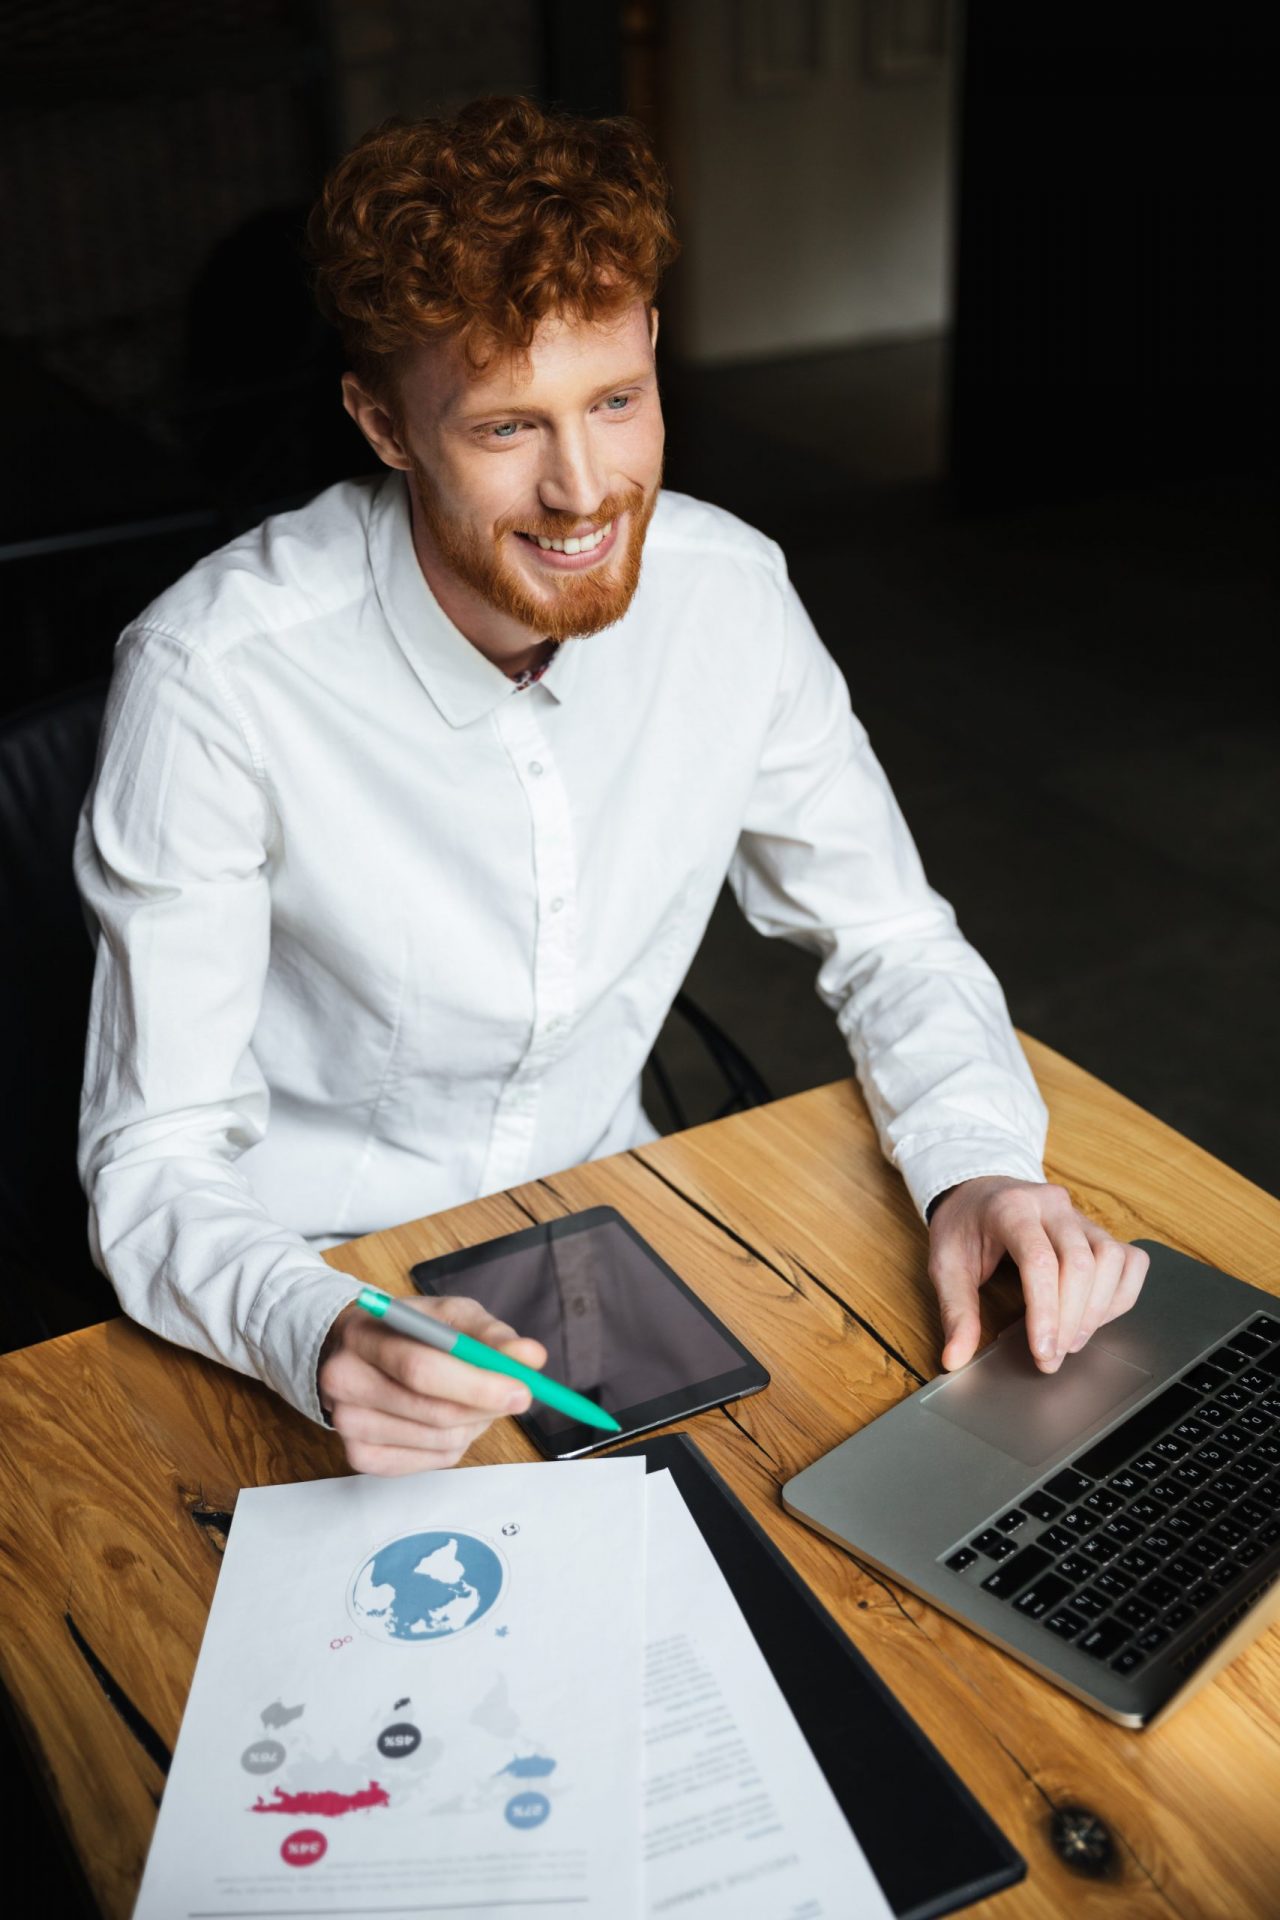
x=401, y=1407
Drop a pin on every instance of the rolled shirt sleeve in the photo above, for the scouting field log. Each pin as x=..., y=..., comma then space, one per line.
x=825, y=860
x=172, y=858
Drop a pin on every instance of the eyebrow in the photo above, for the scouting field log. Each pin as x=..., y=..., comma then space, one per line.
x=511, y=413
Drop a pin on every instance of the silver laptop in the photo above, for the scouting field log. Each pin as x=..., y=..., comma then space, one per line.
x=1115, y=1525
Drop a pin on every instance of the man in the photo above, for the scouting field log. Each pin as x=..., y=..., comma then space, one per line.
x=396, y=872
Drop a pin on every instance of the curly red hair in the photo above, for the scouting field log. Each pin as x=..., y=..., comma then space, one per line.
x=477, y=228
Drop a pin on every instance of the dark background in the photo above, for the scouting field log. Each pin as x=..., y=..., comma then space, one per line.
x=1034, y=520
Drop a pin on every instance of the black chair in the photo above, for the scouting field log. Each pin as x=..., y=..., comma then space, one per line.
x=48, y=1284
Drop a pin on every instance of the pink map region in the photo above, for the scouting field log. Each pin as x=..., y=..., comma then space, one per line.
x=322, y=1802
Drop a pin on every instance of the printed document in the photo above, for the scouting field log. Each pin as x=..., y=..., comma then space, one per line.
x=740, y=1823
x=417, y=1696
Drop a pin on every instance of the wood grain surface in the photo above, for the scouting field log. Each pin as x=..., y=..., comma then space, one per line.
x=789, y=1223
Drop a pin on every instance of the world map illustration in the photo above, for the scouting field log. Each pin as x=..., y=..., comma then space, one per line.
x=426, y=1586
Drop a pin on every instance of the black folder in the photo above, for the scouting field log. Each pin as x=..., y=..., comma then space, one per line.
x=929, y=1843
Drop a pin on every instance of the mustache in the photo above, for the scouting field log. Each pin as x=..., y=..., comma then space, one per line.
x=561, y=526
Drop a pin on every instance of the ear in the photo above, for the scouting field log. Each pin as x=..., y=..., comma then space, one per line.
x=375, y=423
x=653, y=327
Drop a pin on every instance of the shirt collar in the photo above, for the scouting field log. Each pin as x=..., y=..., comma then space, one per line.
x=462, y=683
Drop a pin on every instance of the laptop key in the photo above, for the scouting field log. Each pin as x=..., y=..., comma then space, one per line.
x=1041, y=1506
x=1227, y=1486
x=1248, y=1553
x=1016, y=1573
x=1159, y=1592
x=1102, y=1502
x=1213, y=1456
x=1161, y=1543
x=1077, y=1566
x=1254, y=1382
x=1268, y=1535
x=1091, y=1603
x=1055, y=1539
x=1192, y=1430
x=1169, y=1447
x=1251, y=1343
x=1152, y=1639
x=1126, y=1483
x=1148, y=1466
x=1046, y=1593
x=1206, y=1552
x=1101, y=1548
x=1234, y=1441
x=1252, y=1421
x=1135, y=1612
x=1114, y=1585
x=1213, y=1415
x=1180, y=1616
x=1204, y=1378
x=1252, y=1512
x=1122, y=1528
x=1126, y=1662
x=1202, y=1596
x=1185, y=1571
x=961, y=1559
x=1138, y=1563
x=1189, y=1473
x=1268, y=1450
x=1233, y=1397
x=1104, y=1639
x=1265, y=1326
x=1207, y=1505
x=1067, y=1485
x=1228, y=1359
x=1078, y=1520
x=1011, y=1521
x=1147, y=1511
x=993, y=1545
x=1064, y=1623
x=1226, y=1575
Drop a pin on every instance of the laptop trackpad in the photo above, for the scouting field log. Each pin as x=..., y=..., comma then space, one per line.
x=1004, y=1399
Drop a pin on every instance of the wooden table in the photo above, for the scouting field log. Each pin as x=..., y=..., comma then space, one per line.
x=790, y=1224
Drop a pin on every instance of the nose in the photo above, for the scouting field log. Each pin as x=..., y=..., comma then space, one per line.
x=572, y=480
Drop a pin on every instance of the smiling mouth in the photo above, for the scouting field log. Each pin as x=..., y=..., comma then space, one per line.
x=577, y=545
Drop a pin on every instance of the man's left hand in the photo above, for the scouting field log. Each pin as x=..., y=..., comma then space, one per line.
x=1074, y=1275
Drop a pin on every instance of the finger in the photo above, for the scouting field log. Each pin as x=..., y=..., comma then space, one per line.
x=1077, y=1278
x=375, y=1427
x=1034, y=1255
x=1108, y=1265
x=397, y=1460
x=437, y=1376
x=354, y=1382
x=956, y=1284
x=1132, y=1276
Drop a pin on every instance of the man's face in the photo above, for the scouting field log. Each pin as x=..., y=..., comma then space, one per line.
x=536, y=478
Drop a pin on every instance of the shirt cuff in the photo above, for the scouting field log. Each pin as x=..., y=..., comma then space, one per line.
x=933, y=1171
x=294, y=1332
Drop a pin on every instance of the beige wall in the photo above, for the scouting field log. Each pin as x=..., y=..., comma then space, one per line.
x=813, y=208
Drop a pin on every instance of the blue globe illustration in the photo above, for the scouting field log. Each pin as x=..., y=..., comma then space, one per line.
x=426, y=1586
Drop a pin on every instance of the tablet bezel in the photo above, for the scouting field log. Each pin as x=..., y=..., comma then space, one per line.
x=694, y=1396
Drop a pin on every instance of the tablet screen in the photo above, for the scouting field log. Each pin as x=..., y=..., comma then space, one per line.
x=618, y=1324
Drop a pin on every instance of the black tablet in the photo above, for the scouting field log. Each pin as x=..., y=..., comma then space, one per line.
x=617, y=1323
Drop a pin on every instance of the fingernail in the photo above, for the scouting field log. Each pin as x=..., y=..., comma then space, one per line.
x=1046, y=1346
x=517, y=1401
x=1050, y=1365
x=1081, y=1340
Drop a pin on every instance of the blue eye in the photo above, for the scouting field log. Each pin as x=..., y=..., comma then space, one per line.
x=505, y=431
x=618, y=401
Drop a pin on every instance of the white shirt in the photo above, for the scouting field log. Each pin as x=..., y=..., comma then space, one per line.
x=379, y=933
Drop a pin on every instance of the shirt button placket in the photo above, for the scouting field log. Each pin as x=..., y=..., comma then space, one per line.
x=554, y=955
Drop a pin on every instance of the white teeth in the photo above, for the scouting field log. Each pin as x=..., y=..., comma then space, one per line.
x=587, y=544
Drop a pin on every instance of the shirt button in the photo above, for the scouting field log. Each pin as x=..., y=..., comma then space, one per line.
x=535, y=768
x=557, y=904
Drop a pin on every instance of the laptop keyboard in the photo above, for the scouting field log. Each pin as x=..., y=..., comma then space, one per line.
x=1167, y=1515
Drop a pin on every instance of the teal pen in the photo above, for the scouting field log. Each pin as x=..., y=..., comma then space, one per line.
x=401, y=1318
